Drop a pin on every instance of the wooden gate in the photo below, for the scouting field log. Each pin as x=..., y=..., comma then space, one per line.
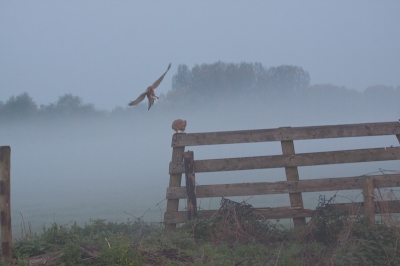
x=290, y=161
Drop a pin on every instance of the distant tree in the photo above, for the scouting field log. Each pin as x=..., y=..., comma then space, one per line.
x=382, y=98
x=330, y=102
x=67, y=106
x=208, y=83
x=182, y=79
x=287, y=79
x=374, y=92
x=220, y=78
x=19, y=107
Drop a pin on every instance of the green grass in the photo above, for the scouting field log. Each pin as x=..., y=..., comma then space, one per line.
x=243, y=238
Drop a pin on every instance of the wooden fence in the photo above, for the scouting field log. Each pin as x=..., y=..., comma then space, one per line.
x=290, y=161
x=5, y=206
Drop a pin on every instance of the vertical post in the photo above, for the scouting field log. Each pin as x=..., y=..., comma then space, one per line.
x=398, y=137
x=5, y=207
x=174, y=181
x=369, y=205
x=292, y=174
x=190, y=185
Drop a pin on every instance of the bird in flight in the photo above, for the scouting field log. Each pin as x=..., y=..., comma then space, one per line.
x=150, y=91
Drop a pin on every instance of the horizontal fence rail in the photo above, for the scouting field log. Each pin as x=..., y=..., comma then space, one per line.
x=390, y=206
x=299, y=159
x=282, y=187
x=286, y=133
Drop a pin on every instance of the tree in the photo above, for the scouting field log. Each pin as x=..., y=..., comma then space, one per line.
x=381, y=99
x=182, y=79
x=67, y=106
x=208, y=83
x=17, y=107
x=287, y=79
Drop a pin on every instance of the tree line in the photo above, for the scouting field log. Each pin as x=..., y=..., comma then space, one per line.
x=23, y=107
x=226, y=84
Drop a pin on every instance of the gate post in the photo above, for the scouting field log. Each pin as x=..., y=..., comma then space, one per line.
x=174, y=181
x=190, y=185
x=292, y=174
x=5, y=207
x=369, y=204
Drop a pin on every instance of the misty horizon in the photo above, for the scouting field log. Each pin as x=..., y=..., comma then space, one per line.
x=81, y=167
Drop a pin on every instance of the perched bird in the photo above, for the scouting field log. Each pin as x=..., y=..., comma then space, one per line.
x=150, y=91
x=179, y=124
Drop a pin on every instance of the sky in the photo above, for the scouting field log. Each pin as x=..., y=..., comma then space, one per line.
x=108, y=52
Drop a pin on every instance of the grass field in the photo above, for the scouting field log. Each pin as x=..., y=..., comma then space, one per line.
x=235, y=236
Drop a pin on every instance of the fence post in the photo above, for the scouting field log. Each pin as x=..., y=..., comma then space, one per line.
x=369, y=204
x=174, y=181
x=398, y=137
x=190, y=185
x=292, y=174
x=6, y=234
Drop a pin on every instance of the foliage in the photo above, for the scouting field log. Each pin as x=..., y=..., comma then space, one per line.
x=67, y=106
x=236, y=236
x=22, y=107
x=287, y=78
x=18, y=107
x=238, y=222
x=209, y=82
x=121, y=254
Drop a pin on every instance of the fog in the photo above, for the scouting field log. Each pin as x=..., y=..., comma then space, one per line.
x=313, y=63
x=116, y=167
x=107, y=52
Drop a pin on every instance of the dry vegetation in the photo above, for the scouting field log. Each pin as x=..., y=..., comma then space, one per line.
x=235, y=235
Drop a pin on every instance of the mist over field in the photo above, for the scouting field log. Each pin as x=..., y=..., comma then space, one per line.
x=110, y=165
x=69, y=69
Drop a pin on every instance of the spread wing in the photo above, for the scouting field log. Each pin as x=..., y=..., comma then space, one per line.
x=158, y=81
x=139, y=99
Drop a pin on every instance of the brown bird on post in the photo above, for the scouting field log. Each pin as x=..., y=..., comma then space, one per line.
x=150, y=91
x=179, y=124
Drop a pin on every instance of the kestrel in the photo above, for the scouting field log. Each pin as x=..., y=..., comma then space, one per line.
x=179, y=124
x=150, y=91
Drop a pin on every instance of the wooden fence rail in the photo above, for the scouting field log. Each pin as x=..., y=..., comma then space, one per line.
x=279, y=161
x=286, y=133
x=288, y=160
x=282, y=187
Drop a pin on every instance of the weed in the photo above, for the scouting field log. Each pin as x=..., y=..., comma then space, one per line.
x=236, y=235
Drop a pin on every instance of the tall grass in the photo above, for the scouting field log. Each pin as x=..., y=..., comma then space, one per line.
x=236, y=235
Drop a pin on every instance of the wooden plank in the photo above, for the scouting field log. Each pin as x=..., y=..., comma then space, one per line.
x=282, y=187
x=382, y=181
x=190, y=185
x=174, y=181
x=293, y=133
x=301, y=159
x=357, y=208
x=354, y=208
x=292, y=174
x=387, y=207
x=369, y=198
x=5, y=204
x=266, y=213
